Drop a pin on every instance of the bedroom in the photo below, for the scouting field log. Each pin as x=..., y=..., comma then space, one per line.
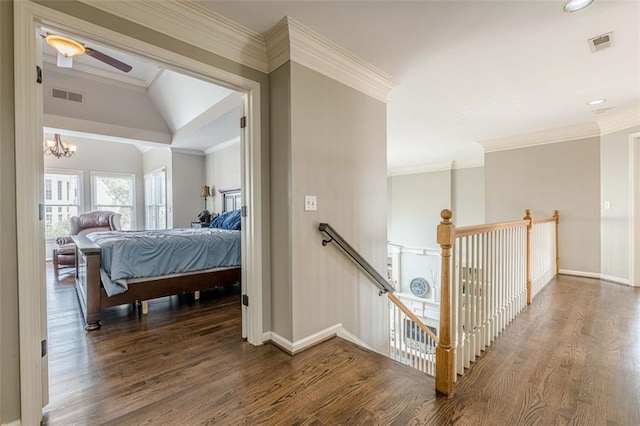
x=112, y=168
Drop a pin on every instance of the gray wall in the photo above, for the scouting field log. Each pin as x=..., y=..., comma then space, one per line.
x=9, y=341
x=563, y=176
x=614, y=187
x=467, y=196
x=338, y=153
x=187, y=179
x=135, y=109
x=281, y=228
x=416, y=200
x=223, y=171
x=415, y=204
x=100, y=156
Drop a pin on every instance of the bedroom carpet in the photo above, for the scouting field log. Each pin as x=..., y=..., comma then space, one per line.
x=572, y=357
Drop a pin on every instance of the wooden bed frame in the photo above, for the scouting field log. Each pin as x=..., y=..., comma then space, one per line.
x=93, y=297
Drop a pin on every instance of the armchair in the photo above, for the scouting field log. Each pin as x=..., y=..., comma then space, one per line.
x=65, y=254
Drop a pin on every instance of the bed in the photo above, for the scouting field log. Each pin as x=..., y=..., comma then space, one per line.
x=122, y=267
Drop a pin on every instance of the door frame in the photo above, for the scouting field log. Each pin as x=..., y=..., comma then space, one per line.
x=634, y=209
x=30, y=168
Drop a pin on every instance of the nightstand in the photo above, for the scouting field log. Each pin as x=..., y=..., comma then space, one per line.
x=200, y=224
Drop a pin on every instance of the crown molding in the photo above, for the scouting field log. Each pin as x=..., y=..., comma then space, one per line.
x=187, y=151
x=436, y=167
x=468, y=164
x=223, y=145
x=423, y=168
x=619, y=122
x=287, y=40
x=544, y=137
x=194, y=24
x=315, y=51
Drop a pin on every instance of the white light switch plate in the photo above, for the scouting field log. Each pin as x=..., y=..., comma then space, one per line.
x=310, y=203
x=607, y=205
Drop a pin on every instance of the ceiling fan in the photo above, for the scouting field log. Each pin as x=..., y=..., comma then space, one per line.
x=68, y=48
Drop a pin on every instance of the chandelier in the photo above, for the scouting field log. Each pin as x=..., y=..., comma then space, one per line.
x=59, y=149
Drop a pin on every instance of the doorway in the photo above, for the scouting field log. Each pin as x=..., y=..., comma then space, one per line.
x=29, y=177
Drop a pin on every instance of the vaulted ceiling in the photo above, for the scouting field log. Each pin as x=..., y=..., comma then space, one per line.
x=148, y=106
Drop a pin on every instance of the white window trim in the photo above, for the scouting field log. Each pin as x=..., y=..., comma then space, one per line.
x=150, y=174
x=80, y=175
x=132, y=176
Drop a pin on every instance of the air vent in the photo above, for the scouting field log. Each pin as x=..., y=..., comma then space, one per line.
x=601, y=42
x=69, y=96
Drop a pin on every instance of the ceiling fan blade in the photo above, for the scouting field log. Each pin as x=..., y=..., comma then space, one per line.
x=108, y=60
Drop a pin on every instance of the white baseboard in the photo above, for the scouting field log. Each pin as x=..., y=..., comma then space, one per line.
x=13, y=423
x=596, y=275
x=615, y=279
x=343, y=333
x=299, y=345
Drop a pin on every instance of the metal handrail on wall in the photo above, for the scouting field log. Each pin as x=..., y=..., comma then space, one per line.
x=335, y=237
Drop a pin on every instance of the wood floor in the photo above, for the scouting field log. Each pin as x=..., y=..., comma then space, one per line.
x=573, y=357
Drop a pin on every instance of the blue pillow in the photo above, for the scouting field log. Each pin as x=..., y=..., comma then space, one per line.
x=217, y=222
x=232, y=221
x=228, y=220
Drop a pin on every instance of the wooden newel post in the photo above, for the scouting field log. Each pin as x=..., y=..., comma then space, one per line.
x=445, y=352
x=529, y=256
x=556, y=216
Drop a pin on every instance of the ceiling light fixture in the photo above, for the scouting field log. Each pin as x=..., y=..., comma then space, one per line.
x=66, y=48
x=596, y=102
x=59, y=149
x=575, y=5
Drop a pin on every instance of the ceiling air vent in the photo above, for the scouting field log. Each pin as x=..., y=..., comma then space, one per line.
x=68, y=96
x=601, y=42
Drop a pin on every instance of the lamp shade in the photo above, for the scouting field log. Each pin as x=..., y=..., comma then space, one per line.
x=205, y=191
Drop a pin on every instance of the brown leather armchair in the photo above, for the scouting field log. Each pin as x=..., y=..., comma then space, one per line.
x=65, y=254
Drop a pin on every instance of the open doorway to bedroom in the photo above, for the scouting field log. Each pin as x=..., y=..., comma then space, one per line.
x=121, y=191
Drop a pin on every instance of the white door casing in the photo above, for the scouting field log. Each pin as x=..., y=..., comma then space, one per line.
x=29, y=180
x=634, y=209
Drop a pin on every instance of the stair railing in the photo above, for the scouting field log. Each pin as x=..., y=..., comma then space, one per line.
x=489, y=274
x=411, y=342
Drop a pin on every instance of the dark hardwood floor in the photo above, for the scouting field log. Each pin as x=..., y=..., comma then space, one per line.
x=572, y=357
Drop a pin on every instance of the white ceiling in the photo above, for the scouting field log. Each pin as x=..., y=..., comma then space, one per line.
x=475, y=71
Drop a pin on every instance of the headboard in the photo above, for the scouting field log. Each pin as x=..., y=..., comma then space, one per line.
x=231, y=199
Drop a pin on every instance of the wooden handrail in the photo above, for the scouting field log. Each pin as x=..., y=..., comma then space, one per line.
x=411, y=315
x=490, y=227
x=544, y=220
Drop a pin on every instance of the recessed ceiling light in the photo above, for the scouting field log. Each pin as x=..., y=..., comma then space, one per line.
x=575, y=5
x=596, y=102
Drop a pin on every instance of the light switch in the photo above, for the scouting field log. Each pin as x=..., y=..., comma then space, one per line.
x=310, y=203
x=607, y=205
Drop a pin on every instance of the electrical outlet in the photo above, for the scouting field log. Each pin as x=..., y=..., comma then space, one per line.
x=310, y=203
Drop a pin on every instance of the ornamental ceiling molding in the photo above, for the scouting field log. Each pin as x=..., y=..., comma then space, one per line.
x=291, y=40
x=194, y=24
x=544, y=137
x=287, y=40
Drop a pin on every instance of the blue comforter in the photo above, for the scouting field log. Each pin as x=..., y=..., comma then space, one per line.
x=143, y=254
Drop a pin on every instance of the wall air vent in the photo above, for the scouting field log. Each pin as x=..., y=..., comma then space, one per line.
x=601, y=42
x=67, y=96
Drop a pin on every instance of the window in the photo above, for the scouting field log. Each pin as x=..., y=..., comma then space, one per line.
x=155, y=199
x=48, y=191
x=65, y=204
x=116, y=193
